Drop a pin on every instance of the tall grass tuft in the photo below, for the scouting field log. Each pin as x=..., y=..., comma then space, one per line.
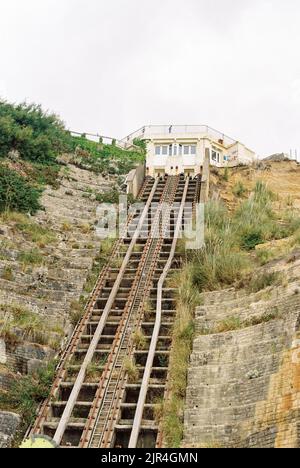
x=188, y=297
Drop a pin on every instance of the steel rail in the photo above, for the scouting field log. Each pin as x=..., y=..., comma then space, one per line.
x=97, y=335
x=148, y=254
x=168, y=198
x=149, y=364
x=74, y=339
x=159, y=440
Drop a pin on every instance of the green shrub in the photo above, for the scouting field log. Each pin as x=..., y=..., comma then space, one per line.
x=27, y=392
x=251, y=239
x=141, y=143
x=296, y=238
x=76, y=312
x=35, y=134
x=255, y=220
x=239, y=189
x=101, y=158
x=42, y=174
x=16, y=194
x=112, y=196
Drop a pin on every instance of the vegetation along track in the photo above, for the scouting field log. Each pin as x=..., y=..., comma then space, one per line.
x=115, y=367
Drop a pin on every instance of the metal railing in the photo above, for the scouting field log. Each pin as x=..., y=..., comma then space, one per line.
x=155, y=130
x=96, y=138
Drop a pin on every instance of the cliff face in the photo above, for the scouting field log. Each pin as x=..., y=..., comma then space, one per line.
x=244, y=376
x=244, y=384
x=282, y=177
x=45, y=261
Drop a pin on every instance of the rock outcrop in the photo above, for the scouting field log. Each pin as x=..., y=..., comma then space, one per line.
x=9, y=423
x=45, y=274
x=244, y=383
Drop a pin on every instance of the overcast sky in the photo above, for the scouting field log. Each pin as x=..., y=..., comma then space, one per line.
x=112, y=66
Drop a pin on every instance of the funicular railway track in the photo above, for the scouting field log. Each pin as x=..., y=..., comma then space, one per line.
x=94, y=402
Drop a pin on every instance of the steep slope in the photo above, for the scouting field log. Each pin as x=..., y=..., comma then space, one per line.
x=244, y=385
x=243, y=379
x=46, y=270
x=282, y=177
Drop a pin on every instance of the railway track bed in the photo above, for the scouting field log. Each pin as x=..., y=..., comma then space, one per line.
x=115, y=367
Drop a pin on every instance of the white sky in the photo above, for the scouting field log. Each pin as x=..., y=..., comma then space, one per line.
x=112, y=66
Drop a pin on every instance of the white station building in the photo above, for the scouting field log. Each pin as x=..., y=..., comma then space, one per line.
x=181, y=149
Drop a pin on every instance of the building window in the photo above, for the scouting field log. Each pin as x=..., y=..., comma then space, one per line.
x=215, y=156
x=175, y=150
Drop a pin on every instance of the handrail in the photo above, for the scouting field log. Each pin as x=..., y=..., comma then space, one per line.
x=146, y=378
x=106, y=139
x=93, y=345
x=169, y=129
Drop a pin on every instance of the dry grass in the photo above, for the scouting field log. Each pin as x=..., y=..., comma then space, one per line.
x=35, y=233
x=139, y=340
x=76, y=312
x=229, y=324
x=7, y=274
x=20, y=324
x=281, y=177
x=234, y=323
x=131, y=370
x=183, y=335
x=85, y=228
x=93, y=372
x=148, y=310
x=66, y=227
x=31, y=257
x=264, y=280
x=13, y=217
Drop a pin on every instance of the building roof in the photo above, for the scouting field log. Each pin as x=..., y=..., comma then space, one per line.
x=159, y=131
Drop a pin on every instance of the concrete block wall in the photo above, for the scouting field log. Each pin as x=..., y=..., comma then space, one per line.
x=135, y=180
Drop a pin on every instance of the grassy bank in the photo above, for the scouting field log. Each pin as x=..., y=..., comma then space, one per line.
x=105, y=159
x=25, y=395
x=31, y=142
x=171, y=411
x=229, y=257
